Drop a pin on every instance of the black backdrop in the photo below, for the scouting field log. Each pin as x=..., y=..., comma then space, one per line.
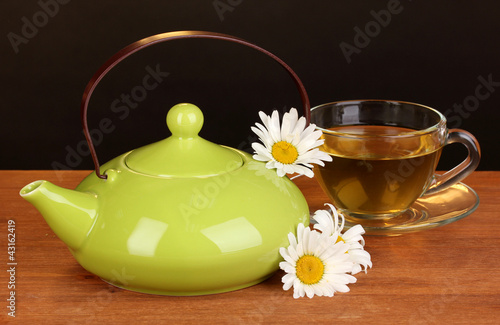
x=444, y=54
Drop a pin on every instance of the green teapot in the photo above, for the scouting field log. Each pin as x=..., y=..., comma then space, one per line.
x=182, y=216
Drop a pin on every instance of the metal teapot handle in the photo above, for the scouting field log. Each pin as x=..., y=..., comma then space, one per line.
x=145, y=42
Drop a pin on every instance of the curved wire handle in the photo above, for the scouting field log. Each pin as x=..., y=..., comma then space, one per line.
x=145, y=42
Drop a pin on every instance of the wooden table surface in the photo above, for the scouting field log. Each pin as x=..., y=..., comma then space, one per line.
x=447, y=274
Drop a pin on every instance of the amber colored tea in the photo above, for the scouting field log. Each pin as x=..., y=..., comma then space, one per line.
x=377, y=175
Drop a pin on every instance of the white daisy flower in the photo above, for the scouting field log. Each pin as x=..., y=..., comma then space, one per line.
x=315, y=264
x=330, y=226
x=291, y=148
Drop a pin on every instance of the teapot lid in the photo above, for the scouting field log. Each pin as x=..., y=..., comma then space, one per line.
x=184, y=153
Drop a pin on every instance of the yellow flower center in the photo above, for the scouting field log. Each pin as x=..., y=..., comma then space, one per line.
x=340, y=239
x=309, y=269
x=284, y=152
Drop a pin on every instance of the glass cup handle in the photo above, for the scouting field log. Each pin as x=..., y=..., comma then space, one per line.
x=465, y=168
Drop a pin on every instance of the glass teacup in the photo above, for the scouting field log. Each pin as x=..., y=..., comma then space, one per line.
x=385, y=155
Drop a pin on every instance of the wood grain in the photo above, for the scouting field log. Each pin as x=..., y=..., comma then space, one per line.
x=447, y=274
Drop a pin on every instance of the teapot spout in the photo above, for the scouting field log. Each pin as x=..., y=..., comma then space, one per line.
x=69, y=213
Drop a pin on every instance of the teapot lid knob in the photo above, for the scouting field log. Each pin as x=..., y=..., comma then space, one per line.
x=185, y=120
x=185, y=153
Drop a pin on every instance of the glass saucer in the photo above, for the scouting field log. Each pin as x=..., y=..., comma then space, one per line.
x=430, y=211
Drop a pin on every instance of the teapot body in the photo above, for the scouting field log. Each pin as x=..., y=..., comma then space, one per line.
x=189, y=235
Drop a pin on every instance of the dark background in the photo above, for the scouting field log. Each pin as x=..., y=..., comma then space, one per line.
x=430, y=52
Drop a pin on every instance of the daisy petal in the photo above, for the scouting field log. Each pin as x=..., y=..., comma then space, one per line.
x=291, y=146
x=318, y=263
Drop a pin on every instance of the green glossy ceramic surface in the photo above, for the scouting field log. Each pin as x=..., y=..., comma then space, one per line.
x=183, y=154
x=177, y=234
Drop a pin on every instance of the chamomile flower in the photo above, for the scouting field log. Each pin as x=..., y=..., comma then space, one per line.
x=315, y=264
x=291, y=148
x=330, y=226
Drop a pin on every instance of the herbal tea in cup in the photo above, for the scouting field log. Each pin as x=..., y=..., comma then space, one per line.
x=385, y=155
